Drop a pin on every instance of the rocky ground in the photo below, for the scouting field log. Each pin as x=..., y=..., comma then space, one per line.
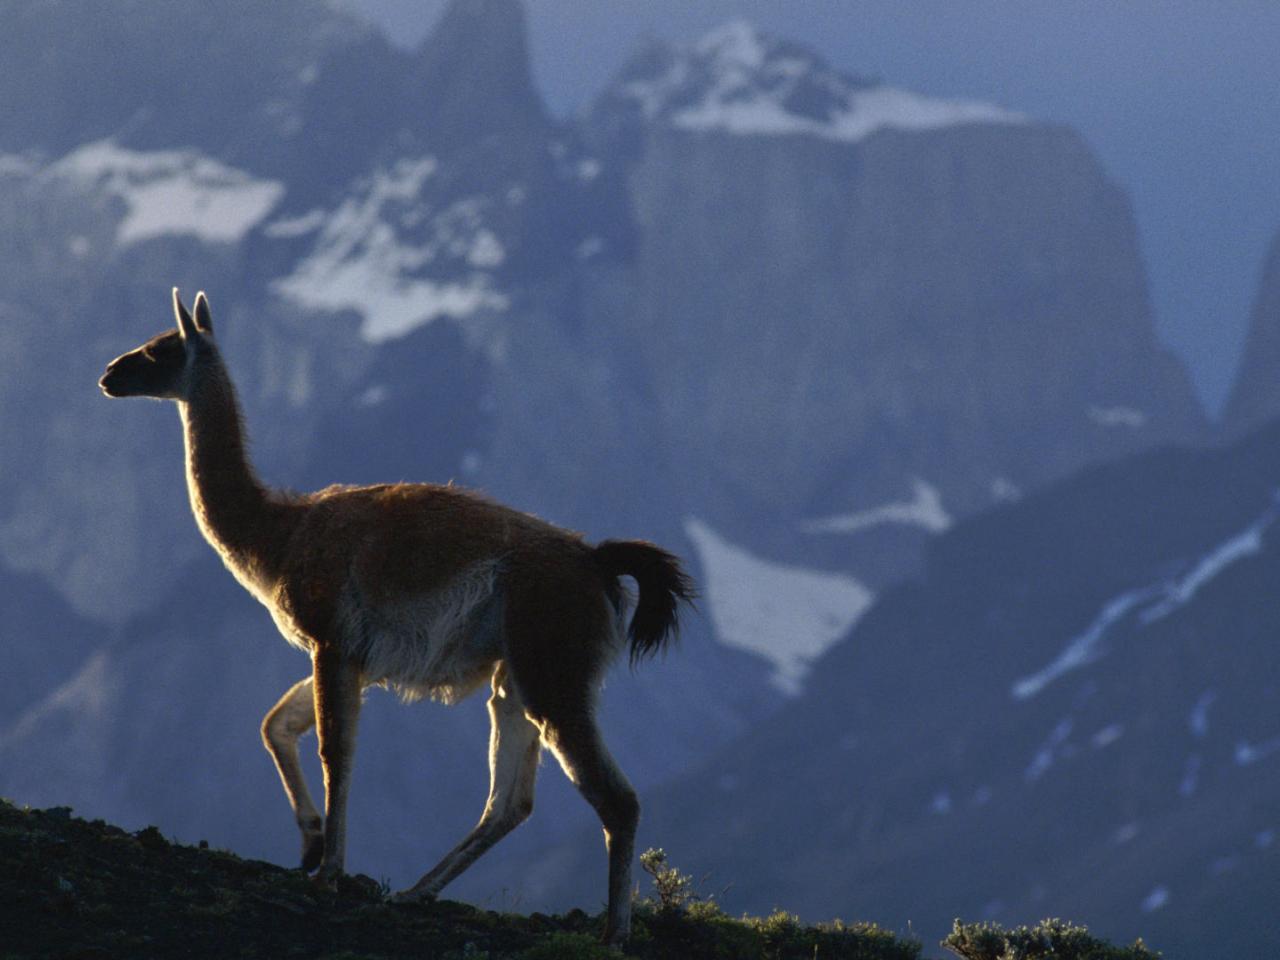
x=79, y=890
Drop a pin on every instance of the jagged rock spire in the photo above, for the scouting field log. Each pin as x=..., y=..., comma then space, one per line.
x=472, y=73
x=1255, y=397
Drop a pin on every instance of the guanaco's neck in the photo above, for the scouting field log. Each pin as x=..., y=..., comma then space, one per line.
x=237, y=514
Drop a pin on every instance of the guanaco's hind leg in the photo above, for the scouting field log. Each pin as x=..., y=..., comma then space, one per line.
x=561, y=633
x=289, y=719
x=575, y=741
x=337, y=690
x=513, y=768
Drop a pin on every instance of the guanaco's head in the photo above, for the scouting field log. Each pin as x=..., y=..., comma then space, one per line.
x=164, y=366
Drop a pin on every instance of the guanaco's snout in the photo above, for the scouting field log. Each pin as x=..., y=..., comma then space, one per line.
x=104, y=384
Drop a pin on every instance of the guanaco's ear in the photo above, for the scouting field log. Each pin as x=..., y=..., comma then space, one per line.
x=204, y=322
x=186, y=326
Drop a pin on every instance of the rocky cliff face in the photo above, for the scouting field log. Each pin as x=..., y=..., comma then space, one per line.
x=821, y=266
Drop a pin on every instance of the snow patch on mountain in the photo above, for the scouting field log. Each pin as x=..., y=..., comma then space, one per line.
x=1126, y=833
x=290, y=227
x=1107, y=736
x=370, y=254
x=1164, y=598
x=1129, y=417
x=868, y=112
x=1157, y=899
x=172, y=192
x=1198, y=720
x=88, y=694
x=1180, y=592
x=1248, y=754
x=1190, y=776
x=924, y=510
x=1085, y=648
x=788, y=615
x=1004, y=490
x=588, y=248
x=740, y=81
x=1048, y=752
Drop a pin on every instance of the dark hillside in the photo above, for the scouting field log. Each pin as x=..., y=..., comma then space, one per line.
x=79, y=890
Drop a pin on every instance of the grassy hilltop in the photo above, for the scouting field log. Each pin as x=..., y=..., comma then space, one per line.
x=77, y=890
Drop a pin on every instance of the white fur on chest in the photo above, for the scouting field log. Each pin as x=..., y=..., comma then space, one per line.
x=264, y=592
x=440, y=644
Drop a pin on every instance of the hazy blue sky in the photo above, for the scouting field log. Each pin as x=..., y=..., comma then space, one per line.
x=1180, y=99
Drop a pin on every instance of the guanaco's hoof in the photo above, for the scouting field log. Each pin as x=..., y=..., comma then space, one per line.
x=312, y=853
x=412, y=896
x=326, y=879
x=615, y=938
x=357, y=886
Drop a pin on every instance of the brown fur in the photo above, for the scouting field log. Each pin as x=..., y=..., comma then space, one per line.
x=427, y=588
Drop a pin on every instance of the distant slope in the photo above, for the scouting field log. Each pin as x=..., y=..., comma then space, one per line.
x=1071, y=712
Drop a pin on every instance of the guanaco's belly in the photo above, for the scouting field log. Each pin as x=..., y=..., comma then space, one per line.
x=440, y=644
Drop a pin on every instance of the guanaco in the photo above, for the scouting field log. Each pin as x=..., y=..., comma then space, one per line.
x=426, y=589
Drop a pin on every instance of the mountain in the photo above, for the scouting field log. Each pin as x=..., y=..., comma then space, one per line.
x=1071, y=708
x=853, y=315
x=791, y=323
x=1255, y=398
x=821, y=265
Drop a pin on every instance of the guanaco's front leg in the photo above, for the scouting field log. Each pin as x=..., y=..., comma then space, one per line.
x=288, y=720
x=337, y=705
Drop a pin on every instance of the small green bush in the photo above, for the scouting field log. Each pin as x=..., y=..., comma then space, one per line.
x=678, y=923
x=674, y=889
x=1047, y=940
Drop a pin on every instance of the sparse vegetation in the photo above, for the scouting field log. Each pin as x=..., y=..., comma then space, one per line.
x=1047, y=940
x=77, y=890
x=674, y=889
x=680, y=922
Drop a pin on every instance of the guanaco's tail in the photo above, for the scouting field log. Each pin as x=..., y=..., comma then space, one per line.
x=663, y=587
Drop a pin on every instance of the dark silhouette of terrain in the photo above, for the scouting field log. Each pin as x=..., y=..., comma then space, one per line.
x=79, y=890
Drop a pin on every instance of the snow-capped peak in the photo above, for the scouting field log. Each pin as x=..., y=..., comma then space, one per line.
x=739, y=80
x=736, y=42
